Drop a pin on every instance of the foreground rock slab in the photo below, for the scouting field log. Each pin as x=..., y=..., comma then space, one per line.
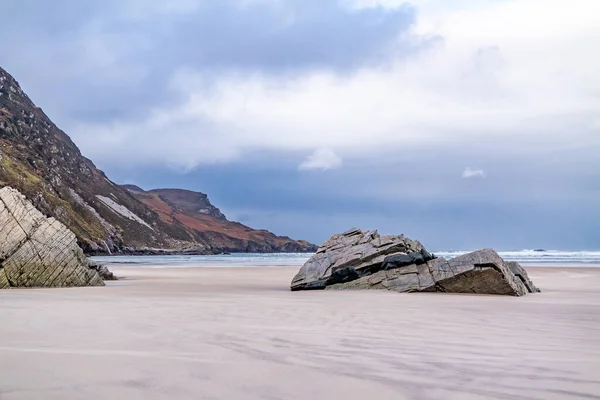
x=36, y=251
x=358, y=260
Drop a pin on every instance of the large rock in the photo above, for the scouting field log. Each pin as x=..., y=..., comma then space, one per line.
x=341, y=265
x=352, y=254
x=36, y=251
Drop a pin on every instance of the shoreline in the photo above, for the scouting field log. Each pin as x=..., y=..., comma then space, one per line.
x=158, y=266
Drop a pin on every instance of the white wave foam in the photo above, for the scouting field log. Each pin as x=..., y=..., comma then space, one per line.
x=526, y=257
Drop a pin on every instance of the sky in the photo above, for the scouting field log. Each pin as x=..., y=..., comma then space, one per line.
x=463, y=124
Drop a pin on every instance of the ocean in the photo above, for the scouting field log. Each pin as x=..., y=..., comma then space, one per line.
x=548, y=258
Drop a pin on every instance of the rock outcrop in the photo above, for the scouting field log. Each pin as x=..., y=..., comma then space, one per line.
x=102, y=270
x=364, y=260
x=36, y=251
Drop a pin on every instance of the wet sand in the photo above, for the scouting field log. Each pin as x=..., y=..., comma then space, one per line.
x=238, y=333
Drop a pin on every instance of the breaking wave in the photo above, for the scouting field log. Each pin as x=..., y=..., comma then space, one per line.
x=525, y=257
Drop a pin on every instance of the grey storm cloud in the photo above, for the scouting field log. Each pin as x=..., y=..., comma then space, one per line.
x=114, y=59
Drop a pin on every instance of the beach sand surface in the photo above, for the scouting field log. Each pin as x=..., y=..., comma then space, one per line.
x=239, y=333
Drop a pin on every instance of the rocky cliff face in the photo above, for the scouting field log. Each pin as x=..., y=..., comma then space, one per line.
x=36, y=251
x=42, y=162
x=190, y=202
x=206, y=224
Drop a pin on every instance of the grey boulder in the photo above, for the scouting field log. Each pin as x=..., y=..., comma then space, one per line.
x=406, y=266
x=347, y=256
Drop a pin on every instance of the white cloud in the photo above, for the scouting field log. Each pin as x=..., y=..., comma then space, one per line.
x=473, y=173
x=507, y=72
x=323, y=159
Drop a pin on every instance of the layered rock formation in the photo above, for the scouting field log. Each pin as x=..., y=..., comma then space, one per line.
x=349, y=255
x=364, y=260
x=41, y=161
x=522, y=275
x=36, y=251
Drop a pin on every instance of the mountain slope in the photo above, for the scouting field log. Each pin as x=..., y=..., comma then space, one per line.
x=42, y=162
x=209, y=226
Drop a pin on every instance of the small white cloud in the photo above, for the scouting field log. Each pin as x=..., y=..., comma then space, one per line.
x=473, y=173
x=323, y=159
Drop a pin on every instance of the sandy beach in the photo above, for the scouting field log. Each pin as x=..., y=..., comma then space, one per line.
x=239, y=333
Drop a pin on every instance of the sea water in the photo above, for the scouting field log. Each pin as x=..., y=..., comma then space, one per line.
x=548, y=258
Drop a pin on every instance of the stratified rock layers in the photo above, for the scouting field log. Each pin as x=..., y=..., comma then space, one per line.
x=349, y=255
x=364, y=260
x=36, y=251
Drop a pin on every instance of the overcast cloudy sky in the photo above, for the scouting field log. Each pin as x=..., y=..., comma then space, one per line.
x=464, y=123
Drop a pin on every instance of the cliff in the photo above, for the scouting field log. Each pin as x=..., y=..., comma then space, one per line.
x=207, y=225
x=40, y=160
